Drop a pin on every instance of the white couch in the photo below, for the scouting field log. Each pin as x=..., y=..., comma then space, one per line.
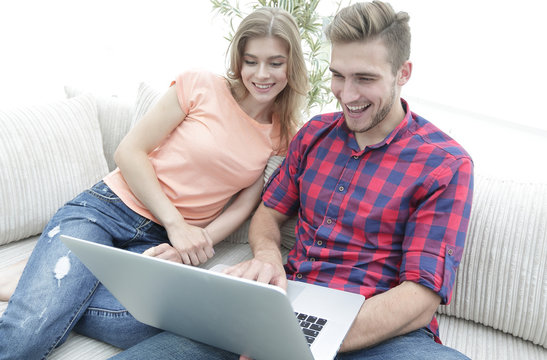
x=49, y=153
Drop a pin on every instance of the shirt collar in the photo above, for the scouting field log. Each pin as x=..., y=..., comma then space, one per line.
x=345, y=134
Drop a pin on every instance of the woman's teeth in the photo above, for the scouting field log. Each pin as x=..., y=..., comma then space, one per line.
x=263, y=86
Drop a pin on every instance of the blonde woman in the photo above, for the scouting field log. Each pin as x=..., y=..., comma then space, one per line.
x=205, y=142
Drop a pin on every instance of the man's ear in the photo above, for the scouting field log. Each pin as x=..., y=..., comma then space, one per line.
x=404, y=73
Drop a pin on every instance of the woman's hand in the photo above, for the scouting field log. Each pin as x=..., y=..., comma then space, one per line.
x=192, y=243
x=164, y=251
x=191, y=246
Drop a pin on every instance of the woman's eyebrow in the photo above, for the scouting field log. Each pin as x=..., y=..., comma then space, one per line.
x=270, y=58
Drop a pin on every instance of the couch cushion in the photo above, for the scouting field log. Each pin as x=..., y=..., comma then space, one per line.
x=502, y=281
x=146, y=97
x=115, y=117
x=49, y=153
x=482, y=342
x=81, y=347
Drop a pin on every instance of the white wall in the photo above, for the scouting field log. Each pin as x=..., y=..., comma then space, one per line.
x=477, y=64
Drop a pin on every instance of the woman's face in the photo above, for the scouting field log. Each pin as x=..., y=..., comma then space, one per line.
x=264, y=68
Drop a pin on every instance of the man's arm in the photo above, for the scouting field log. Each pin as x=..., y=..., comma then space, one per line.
x=265, y=241
x=400, y=310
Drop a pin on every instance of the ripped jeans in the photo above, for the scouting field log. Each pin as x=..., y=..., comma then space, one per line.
x=57, y=294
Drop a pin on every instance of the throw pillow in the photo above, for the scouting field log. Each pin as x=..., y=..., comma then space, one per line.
x=502, y=279
x=115, y=118
x=48, y=154
x=146, y=97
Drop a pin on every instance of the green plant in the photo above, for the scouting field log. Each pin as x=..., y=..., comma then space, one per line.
x=314, y=44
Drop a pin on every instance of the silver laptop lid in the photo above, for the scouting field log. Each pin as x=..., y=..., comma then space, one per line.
x=241, y=316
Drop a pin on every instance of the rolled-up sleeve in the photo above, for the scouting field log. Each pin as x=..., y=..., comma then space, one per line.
x=435, y=233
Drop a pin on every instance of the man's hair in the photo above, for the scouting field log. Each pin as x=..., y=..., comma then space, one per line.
x=371, y=21
x=278, y=23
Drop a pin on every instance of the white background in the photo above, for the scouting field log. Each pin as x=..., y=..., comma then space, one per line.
x=479, y=66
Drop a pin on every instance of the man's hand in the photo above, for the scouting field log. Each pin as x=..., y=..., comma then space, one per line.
x=261, y=270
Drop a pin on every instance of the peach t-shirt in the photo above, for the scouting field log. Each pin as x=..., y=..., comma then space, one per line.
x=214, y=153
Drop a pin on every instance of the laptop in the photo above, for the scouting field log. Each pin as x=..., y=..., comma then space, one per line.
x=246, y=317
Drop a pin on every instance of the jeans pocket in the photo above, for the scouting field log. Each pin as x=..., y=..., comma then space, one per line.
x=102, y=191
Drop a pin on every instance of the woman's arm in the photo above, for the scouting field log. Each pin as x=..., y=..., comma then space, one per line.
x=131, y=157
x=226, y=223
x=236, y=213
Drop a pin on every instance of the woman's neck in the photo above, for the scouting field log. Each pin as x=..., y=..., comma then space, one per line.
x=262, y=113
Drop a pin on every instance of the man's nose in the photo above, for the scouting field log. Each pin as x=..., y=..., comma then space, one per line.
x=349, y=92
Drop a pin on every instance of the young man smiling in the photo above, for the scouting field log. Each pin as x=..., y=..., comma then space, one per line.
x=383, y=199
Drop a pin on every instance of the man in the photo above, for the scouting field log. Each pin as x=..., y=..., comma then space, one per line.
x=383, y=197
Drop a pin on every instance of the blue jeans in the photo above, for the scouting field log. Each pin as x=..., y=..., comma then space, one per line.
x=56, y=292
x=418, y=345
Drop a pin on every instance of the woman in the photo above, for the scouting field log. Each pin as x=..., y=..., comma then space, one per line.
x=205, y=141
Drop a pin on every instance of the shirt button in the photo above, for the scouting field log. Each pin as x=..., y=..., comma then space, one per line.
x=355, y=157
x=319, y=242
x=450, y=252
x=329, y=221
x=312, y=259
x=299, y=276
x=341, y=188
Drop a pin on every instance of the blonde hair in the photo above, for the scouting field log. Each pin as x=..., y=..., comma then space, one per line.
x=267, y=22
x=370, y=21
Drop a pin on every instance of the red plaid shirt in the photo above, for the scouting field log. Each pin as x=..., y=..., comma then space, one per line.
x=369, y=220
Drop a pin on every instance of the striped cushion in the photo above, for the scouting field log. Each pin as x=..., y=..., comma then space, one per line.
x=48, y=154
x=115, y=117
x=502, y=279
x=481, y=342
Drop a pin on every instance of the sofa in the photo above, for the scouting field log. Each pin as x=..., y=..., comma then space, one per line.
x=50, y=152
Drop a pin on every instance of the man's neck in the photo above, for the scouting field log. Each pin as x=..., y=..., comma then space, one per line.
x=383, y=129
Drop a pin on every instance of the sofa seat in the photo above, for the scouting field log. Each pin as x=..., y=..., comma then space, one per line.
x=499, y=305
x=483, y=342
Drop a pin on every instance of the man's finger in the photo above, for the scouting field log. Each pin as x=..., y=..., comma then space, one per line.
x=236, y=270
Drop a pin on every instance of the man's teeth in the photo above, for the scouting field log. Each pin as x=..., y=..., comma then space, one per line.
x=357, y=108
x=262, y=86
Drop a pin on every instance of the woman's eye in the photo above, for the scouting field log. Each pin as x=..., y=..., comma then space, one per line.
x=250, y=62
x=277, y=64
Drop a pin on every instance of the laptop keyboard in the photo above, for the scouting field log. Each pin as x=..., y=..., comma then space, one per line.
x=311, y=326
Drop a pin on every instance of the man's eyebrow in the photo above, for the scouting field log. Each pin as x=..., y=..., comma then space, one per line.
x=358, y=74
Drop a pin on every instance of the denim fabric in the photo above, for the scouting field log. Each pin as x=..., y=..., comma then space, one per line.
x=56, y=292
x=417, y=345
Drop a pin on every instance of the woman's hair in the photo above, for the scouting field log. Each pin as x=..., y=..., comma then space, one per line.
x=370, y=21
x=273, y=22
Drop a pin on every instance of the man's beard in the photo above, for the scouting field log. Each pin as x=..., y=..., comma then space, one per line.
x=381, y=114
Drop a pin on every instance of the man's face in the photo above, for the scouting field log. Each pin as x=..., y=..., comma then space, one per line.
x=365, y=86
